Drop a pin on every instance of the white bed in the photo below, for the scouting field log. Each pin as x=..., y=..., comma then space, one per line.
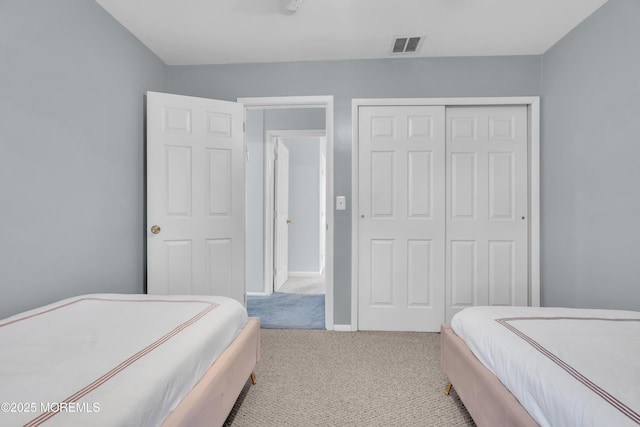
x=112, y=360
x=566, y=367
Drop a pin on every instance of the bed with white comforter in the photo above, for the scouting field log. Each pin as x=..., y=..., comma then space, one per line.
x=110, y=360
x=566, y=367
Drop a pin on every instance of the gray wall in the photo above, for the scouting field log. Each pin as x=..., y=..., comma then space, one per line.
x=425, y=77
x=72, y=84
x=590, y=168
x=259, y=121
x=304, y=204
x=294, y=119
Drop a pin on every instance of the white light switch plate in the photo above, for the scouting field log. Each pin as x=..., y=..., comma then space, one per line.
x=341, y=203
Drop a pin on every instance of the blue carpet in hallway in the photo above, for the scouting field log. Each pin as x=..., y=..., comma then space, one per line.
x=288, y=311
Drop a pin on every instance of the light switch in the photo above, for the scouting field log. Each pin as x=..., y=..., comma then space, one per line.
x=341, y=203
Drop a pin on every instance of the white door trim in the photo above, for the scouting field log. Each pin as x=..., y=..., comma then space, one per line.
x=269, y=195
x=533, y=109
x=312, y=102
x=288, y=102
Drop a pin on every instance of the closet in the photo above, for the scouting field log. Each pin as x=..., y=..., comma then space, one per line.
x=443, y=209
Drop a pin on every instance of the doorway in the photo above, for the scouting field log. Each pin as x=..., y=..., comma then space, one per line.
x=285, y=119
x=297, y=209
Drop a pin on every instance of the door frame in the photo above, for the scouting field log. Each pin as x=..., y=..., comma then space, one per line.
x=269, y=196
x=325, y=102
x=533, y=120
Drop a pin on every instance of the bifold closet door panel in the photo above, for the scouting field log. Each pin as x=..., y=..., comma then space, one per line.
x=487, y=206
x=401, y=218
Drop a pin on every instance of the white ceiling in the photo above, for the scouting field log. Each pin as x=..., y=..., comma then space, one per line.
x=184, y=32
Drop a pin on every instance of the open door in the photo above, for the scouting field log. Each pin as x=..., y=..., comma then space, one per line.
x=195, y=196
x=282, y=221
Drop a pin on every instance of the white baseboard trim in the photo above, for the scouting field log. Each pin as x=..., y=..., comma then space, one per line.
x=305, y=273
x=259, y=294
x=342, y=328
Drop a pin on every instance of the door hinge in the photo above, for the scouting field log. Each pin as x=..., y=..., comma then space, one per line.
x=244, y=126
x=275, y=272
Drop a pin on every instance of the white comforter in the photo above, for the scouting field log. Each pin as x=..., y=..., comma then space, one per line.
x=110, y=360
x=567, y=367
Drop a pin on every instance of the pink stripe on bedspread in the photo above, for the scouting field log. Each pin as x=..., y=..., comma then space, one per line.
x=210, y=306
x=630, y=413
x=95, y=299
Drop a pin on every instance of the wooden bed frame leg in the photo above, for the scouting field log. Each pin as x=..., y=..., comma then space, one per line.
x=448, y=390
x=253, y=378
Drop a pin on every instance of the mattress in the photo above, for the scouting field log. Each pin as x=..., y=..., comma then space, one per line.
x=566, y=367
x=110, y=360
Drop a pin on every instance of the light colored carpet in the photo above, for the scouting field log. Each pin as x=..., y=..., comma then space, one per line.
x=303, y=285
x=326, y=378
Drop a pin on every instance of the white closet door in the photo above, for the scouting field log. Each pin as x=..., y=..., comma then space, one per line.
x=402, y=218
x=195, y=196
x=487, y=207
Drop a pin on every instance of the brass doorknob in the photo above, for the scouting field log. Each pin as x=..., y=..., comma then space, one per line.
x=289, y=221
x=155, y=229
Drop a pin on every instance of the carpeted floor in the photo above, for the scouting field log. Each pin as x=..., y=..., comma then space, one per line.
x=304, y=285
x=288, y=311
x=326, y=378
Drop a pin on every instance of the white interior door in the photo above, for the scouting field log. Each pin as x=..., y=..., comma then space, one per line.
x=195, y=196
x=487, y=207
x=282, y=220
x=402, y=218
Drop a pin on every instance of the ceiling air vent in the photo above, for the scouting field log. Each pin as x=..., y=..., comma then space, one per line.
x=406, y=45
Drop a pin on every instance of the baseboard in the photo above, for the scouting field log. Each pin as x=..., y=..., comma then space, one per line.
x=258, y=294
x=342, y=328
